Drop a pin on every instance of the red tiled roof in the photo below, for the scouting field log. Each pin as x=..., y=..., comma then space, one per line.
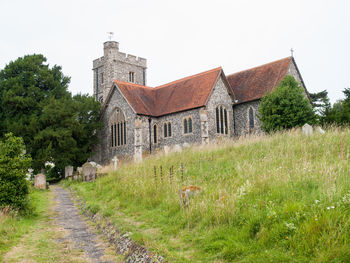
x=183, y=94
x=252, y=84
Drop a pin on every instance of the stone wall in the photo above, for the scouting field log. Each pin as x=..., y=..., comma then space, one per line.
x=115, y=65
x=219, y=96
x=107, y=152
x=241, y=118
x=177, y=130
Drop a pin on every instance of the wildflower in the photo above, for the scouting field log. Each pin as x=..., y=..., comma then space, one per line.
x=317, y=201
x=330, y=207
x=286, y=237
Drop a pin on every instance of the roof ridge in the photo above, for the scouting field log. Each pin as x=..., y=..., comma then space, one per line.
x=188, y=77
x=290, y=57
x=132, y=84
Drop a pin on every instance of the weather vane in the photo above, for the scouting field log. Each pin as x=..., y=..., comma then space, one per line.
x=292, y=51
x=110, y=35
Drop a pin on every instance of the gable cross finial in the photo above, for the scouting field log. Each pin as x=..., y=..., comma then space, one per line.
x=110, y=35
x=292, y=51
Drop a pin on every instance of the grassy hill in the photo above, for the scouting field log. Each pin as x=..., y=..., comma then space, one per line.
x=280, y=198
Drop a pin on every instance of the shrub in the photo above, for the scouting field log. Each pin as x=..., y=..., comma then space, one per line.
x=13, y=168
x=286, y=107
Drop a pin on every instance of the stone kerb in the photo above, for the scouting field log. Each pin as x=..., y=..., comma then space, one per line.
x=40, y=181
x=89, y=172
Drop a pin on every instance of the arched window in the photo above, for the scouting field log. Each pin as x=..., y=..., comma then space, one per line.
x=221, y=120
x=188, y=125
x=117, y=123
x=155, y=134
x=251, y=118
x=167, y=129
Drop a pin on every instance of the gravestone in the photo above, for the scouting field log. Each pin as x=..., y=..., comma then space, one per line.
x=40, y=181
x=166, y=150
x=115, y=161
x=68, y=171
x=177, y=148
x=307, y=129
x=186, y=145
x=319, y=130
x=80, y=173
x=89, y=172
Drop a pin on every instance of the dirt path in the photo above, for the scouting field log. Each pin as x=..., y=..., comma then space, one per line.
x=79, y=234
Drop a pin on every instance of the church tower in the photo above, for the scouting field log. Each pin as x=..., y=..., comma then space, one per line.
x=115, y=65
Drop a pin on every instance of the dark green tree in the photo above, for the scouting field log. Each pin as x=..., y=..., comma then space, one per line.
x=340, y=112
x=14, y=164
x=35, y=104
x=321, y=104
x=285, y=107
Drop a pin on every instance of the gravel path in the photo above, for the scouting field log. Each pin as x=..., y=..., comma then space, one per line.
x=79, y=234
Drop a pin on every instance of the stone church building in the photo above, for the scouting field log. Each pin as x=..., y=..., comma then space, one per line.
x=139, y=119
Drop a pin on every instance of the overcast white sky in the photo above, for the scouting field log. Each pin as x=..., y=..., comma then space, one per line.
x=183, y=37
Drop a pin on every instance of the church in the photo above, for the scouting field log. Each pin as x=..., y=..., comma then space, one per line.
x=197, y=109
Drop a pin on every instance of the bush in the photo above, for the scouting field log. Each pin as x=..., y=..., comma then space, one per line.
x=13, y=168
x=286, y=107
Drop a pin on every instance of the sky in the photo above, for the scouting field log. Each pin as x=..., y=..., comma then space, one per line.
x=180, y=38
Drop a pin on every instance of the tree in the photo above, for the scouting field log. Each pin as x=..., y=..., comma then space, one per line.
x=35, y=104
x=14, y=164
x=321, y=104
x=285, y=107
x=340, y=112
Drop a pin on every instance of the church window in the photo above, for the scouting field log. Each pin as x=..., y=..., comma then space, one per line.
x=102, y=78
x=100, y=99
x=187, y=125
x=118, y=128
x=167, y=129
x=251, y=118
x=131, y=76
x=155, y=134
x=221, y=120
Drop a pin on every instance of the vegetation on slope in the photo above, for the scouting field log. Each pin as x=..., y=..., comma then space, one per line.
x=282, y=198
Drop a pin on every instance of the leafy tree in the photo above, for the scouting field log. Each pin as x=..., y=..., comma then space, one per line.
x=35, y=104
x=321, y=104
x=285, y=107
x=340, y=112
x=14, y=164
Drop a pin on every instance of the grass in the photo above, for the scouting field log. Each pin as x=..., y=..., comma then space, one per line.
x=33, y=237
x=280, y=198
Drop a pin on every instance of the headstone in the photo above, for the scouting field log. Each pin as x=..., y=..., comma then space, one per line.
x=68, y=171
x=166, y=150
x=186, y=145
x=115, y=161
x=40, y=181
x=80, y=173
x=177, y=148
x=307, y=129
x=319, y=130
x=89, y=172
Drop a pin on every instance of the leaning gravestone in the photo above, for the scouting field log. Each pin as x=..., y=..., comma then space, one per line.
x=89, y=172
x=40, y=181
x=68, y=171
x=319, y=130
x=307, y=129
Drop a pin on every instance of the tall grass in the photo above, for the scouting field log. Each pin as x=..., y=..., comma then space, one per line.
x=14, y=225
x=280, y=198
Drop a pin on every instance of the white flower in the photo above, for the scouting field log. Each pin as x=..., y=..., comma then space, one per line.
x=50, y=164
x=317, y=201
